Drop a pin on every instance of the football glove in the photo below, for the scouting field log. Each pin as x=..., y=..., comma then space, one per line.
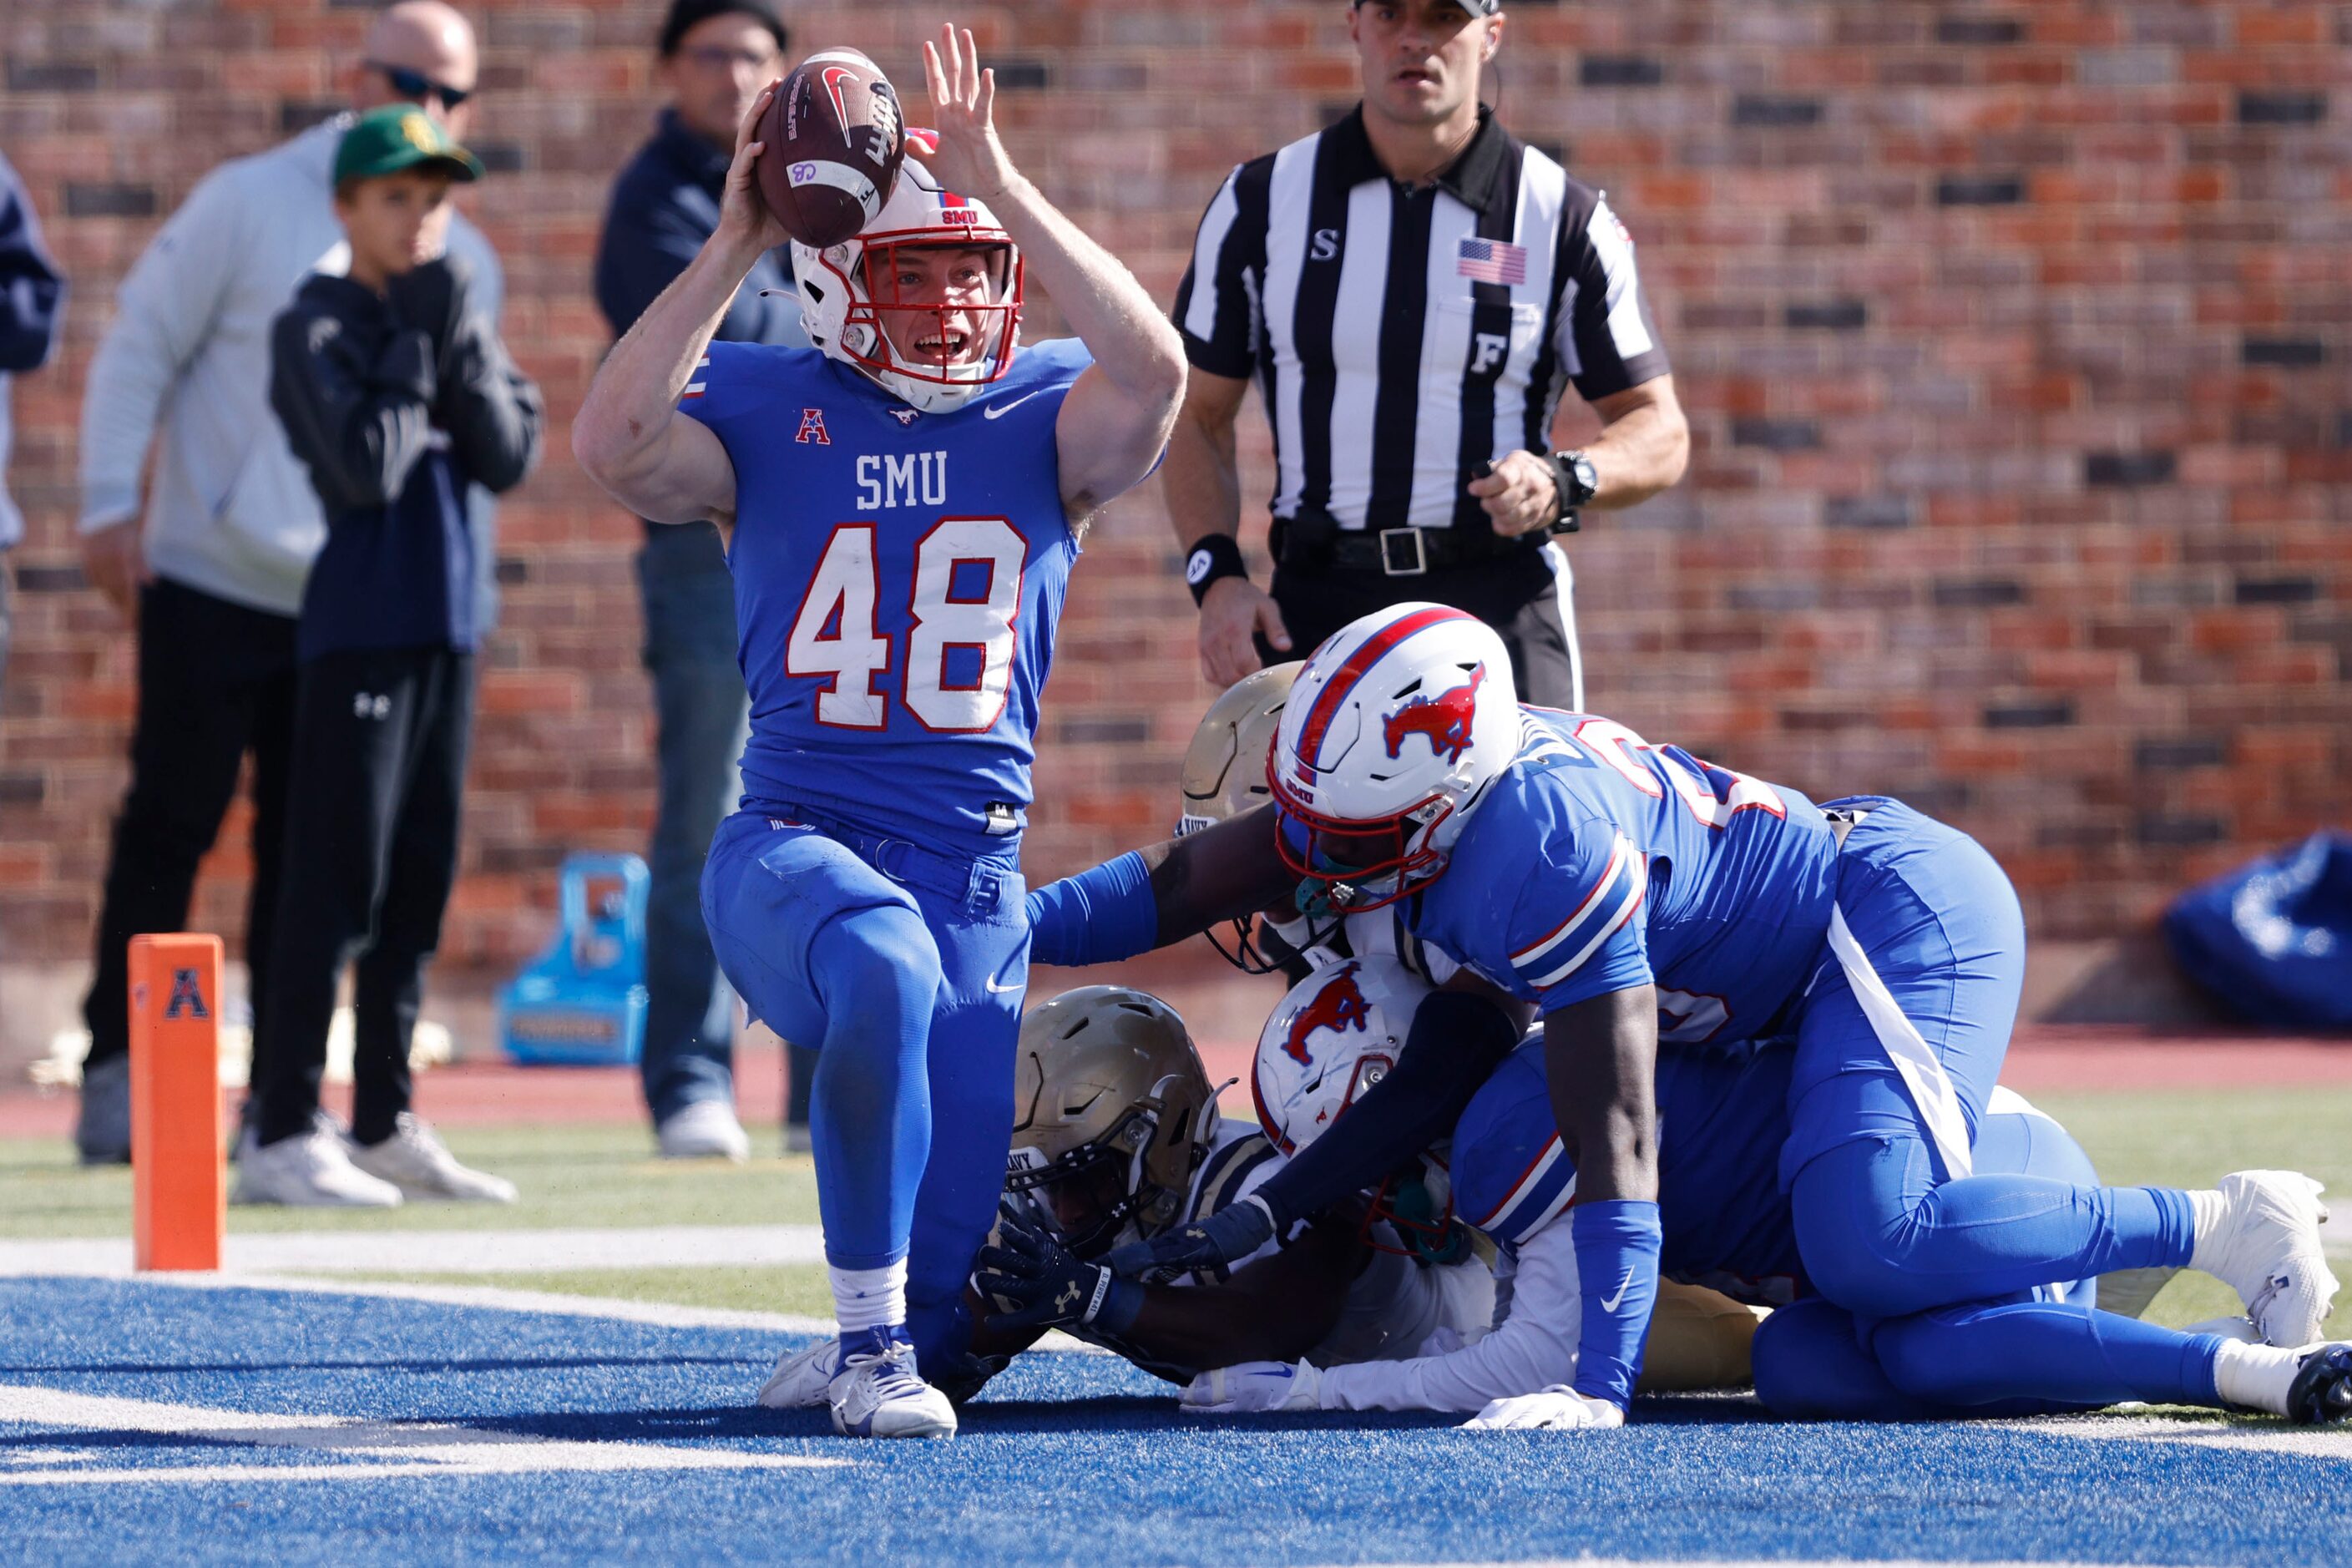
x=1234, y=1231
x=1047, y=1285
x=1255, y=1388
x=1557, y=1408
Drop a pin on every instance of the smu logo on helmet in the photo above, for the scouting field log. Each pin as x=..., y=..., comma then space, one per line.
x=1338, y=1006
x=959, y=217
x=1445, y=719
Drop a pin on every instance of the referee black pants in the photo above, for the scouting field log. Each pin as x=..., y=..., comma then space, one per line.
x=1527, y=596
x=379, y=740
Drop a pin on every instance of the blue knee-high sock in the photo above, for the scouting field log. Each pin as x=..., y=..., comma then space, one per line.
x=870, y=1108
x=1878, y=1239
x=2077, y=1356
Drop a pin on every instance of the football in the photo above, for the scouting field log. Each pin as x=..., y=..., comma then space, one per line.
x=833, y=139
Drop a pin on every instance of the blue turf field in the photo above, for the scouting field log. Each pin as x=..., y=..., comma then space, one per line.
x=1068, y=1459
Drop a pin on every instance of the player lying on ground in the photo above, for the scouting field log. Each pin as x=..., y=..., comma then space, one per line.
x=1722, y=1121
x=901, y=508
x=1117, y=1138
x=1632, y=892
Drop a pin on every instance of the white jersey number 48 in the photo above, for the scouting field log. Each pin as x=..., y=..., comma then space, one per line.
x=834, y=635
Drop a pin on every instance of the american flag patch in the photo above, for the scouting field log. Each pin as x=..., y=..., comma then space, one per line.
x=694, y=388
x=1492, y=262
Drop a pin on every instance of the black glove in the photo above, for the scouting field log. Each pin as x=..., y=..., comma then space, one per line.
x=435, y=297
x=408, y=366
x=1234, y=1231
x=1048, y=1285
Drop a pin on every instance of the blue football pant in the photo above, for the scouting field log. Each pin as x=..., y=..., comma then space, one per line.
x=909, y=986
x=2031, y=1351
x=1897, y=1208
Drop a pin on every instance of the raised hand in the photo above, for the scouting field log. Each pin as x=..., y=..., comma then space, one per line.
x=745, y=224
x=970, y=160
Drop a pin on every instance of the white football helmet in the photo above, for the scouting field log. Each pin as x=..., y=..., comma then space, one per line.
x=1397, y=723
x=1336, y=1034
x=843, y=304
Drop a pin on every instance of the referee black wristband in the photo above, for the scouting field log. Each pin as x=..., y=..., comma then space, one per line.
x=1212, y=555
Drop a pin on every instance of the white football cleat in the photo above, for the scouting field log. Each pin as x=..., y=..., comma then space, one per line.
x=415, y=1160
x=878, y=1392
x=2268, y=1251
x=802, y=1379
x=309, y=1170
x=706, y=1130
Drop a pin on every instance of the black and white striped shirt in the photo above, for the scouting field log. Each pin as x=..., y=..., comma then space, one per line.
x=1402, y=336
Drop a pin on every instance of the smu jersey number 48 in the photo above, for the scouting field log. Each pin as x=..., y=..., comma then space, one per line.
x=898, y=577
x=835, y=636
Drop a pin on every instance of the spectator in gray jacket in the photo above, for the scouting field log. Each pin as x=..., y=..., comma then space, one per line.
x=211, y=569
x=32, y=305
x=715, y=56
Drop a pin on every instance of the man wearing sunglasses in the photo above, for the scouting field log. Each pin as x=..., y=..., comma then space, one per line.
x=208, y=561
x=714, y=57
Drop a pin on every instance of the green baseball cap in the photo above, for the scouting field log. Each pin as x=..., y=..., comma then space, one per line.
x=396, y=137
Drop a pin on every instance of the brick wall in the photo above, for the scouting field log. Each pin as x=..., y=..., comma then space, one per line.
x=2014, y=337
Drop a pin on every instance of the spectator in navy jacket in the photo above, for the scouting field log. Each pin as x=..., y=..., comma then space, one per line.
x=716, y=55
x=396, y=394
x=32, y=305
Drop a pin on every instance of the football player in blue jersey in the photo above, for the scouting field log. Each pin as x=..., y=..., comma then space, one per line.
x=901, y=505
x=1722, y=1123
x=1632, y=893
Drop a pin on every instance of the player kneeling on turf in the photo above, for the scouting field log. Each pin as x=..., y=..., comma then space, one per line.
x=1117, y=1140
x=901, y=508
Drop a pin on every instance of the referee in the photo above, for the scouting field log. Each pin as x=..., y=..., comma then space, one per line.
x=1410, y=289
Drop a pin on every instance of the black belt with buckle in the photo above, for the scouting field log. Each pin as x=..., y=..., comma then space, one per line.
x=1319, y=542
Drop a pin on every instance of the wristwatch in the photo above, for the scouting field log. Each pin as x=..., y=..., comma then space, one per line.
x=1573, y=476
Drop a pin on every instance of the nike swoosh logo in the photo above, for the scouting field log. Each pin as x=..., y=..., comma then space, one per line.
x=998, y=410
x=1279, y=1371
x=999, y=990
x=1613, y=1302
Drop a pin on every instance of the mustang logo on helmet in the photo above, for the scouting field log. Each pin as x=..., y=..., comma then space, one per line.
x=1445, y=720
x=1338, y=1006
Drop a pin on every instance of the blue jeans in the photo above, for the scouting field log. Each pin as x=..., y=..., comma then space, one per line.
x=703, y=720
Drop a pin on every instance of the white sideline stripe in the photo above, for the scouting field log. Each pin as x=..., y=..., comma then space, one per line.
x=2199, y=1431
x=418, y=1447
x=1914, y=1060
x=492, y=1298
x=455, y=1251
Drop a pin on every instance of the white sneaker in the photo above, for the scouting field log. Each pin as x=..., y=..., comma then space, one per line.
x=878, y=1392
x=706, y=1130
x=309, y=1170
x=415, y=1160
x=802, y=1380
x=2268, y=1251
